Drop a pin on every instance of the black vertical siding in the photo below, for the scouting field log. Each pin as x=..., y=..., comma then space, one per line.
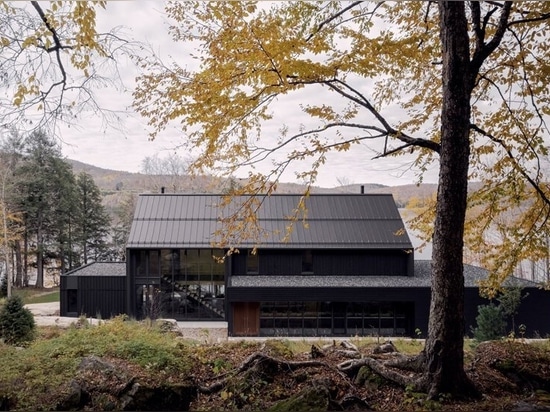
x=329, y=262
x=97, y=296
x=534, y=311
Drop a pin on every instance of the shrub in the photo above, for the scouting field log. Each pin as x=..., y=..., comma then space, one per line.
x=4, y=287
x=16, y=322
x=490, y=323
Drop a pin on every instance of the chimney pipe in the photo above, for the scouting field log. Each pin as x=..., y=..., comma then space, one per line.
x=362, y=189
x=162, y=190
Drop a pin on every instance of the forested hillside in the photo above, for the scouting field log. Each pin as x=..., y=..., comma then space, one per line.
x=114, y=183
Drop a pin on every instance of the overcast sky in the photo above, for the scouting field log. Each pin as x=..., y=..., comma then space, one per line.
x=145, y=21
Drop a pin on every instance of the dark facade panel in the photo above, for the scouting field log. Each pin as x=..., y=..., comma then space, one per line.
x=332, y=262
x=103, y=296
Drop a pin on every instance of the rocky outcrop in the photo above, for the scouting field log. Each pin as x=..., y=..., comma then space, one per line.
x=101, y=385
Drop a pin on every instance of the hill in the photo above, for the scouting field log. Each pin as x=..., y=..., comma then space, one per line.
x=114, y=183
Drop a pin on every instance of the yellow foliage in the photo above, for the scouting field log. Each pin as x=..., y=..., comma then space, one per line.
x=67, y=28
x=376, y=68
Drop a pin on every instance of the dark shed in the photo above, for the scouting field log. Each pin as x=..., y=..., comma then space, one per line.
x=97, y=290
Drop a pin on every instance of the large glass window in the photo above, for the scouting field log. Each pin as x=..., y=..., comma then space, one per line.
x=335, y=318
x=190, y=283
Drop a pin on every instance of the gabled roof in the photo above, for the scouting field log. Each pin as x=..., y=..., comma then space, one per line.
x=333, y=221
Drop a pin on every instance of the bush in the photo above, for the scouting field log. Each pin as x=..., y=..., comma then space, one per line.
x=490, y=321
x=4, y=287
x=16, y=322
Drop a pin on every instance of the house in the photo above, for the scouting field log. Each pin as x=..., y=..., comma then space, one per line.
x=336, y=265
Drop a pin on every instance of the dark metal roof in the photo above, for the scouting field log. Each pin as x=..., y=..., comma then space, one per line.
x=421, y=279
x=333, y=221
x=99, y=269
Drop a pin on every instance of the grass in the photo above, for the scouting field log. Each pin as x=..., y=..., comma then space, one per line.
x=32, y=375
x=32, y=295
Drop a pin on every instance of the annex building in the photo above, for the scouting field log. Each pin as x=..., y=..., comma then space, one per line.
x=343, y=266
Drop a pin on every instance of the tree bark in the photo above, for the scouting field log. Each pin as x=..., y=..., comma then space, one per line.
x=18, y=265
x=444, y=351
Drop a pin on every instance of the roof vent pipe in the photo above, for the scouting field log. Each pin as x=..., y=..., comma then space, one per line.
x=162, y=190
x=362, y=189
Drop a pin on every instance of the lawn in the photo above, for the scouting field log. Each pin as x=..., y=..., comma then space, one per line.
x=31, y=295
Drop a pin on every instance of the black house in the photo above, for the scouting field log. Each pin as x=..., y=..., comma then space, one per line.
x=347, y=269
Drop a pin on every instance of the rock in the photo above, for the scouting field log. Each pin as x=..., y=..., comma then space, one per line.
x=175, y=397
x=73, y=399
x=101, y=385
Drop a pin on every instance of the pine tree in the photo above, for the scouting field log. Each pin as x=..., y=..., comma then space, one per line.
x=16, y=322
x=93, y=222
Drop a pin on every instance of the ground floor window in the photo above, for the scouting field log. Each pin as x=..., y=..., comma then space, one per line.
x=336, y=318
x=181, y=284
x=170, y=300
x=72, y=300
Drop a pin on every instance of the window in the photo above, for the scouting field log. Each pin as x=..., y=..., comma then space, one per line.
x=72, y=300
x=252, y=262
x=307, y=262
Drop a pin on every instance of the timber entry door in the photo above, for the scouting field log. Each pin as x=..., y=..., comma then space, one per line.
x=246, y=318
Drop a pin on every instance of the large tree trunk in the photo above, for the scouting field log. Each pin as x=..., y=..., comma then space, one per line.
x=444, y=351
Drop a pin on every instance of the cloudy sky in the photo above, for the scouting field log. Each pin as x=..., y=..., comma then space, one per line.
x=112, y=149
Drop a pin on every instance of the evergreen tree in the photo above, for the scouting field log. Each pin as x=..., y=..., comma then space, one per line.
x=490, y=323
x=92, y=225
x=124, y=214
x=45, y=197
x=16, y=322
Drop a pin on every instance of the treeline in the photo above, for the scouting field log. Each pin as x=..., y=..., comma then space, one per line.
x=53, y=221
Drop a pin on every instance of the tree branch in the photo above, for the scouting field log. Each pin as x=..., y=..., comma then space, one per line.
x=484, y=50
x=508, y=151
x=333, y=17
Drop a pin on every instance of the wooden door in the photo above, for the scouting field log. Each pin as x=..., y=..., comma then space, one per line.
x=246, y=318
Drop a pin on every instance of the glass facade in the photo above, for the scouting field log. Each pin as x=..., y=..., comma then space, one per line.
x=335, y=318
x=182, y=284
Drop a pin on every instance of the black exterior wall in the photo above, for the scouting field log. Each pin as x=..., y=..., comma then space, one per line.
x=329, y=262
x=93, y=296
x=533, y=312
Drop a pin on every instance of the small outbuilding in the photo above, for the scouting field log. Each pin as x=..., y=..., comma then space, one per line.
x=95, y=290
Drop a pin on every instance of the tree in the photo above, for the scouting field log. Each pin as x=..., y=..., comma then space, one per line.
x=92, y=225
x=490, y=323
x=124, y=215
x=53, y=60
x=44, y=196
x=16, y=322
x=167, y=172
x=464, y=84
